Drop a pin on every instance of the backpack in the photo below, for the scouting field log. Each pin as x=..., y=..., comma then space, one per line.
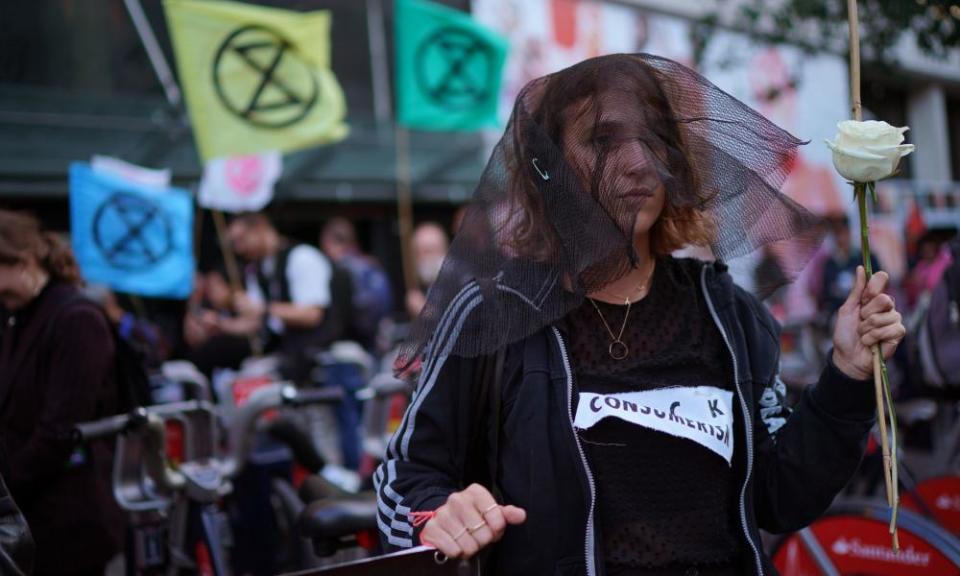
x=130, y=368
x=939, y=330
x=372, y=297
x=130, y=363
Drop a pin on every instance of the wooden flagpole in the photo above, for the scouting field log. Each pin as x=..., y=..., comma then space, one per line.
x=405, y=207
x=889, y=464
x=233, y=269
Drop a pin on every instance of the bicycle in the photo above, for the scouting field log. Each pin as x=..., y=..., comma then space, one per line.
x=329, y=524
x=853, y=538
x=171, y=476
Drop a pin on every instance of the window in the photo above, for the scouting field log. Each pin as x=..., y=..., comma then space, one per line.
x=887, y=102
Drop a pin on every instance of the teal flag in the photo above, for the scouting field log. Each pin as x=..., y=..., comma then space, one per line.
x=448, y=68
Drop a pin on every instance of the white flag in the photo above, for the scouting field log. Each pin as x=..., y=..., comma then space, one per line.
x=131, y=172
x=240, y=183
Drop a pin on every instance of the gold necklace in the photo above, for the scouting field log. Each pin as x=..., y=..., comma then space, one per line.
x=617, y=349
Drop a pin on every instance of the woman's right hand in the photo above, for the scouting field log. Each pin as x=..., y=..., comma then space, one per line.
x=470, y=520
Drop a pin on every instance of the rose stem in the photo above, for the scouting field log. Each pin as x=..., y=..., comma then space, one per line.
x=860, y=192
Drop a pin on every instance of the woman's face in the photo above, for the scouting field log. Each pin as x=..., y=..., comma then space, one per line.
x=611, y=133
x=17, y=285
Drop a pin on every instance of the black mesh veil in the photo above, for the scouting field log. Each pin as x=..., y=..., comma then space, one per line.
x=586, y=157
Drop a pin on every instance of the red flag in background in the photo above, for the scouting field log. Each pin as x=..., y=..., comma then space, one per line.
x=565, y=22
x=914, y=228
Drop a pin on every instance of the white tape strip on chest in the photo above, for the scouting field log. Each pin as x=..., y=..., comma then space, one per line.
x=702, y=414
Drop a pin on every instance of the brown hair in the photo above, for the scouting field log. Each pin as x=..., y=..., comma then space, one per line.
x=21, y=239
x=341, y=231
x=252, y=220
x=682, y=221
x=679, y=226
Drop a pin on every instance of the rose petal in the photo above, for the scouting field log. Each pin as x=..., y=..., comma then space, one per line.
x=862, y=153
x=870, y=132
x=861, y=167
x=900, y=150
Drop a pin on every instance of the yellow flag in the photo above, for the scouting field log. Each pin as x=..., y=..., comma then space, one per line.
x=255, y=78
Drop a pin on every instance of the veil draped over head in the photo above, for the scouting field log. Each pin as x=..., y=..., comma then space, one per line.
x=549, y=224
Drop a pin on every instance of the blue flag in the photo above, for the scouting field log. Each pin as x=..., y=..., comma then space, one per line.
x=134, y=238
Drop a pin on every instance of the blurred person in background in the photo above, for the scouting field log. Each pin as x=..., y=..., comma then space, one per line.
x=287, y=286
x=372, y=298
x=839, y=269
x=57, y=357
x=215, y=334
x=770, y=270
x=933, y=257
x=429, y=247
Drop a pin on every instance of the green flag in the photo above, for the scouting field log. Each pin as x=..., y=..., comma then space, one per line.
x=448, y=68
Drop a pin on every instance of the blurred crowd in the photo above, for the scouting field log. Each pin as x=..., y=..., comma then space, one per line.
x=926, y=295
x=65, y=347
x=60, y=340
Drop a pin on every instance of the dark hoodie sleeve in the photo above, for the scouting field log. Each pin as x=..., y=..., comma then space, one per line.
x=426, y=458
x=805, y=456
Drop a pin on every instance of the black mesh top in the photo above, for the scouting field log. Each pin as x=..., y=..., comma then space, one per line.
x=663, y=501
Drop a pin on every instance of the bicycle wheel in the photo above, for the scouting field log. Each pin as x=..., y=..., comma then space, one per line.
x=941, y=495
x=852, y=538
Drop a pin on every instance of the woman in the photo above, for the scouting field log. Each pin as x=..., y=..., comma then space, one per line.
x=633, y=420
x=56, y=369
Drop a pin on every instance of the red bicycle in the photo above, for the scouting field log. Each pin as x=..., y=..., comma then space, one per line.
x=853, y=539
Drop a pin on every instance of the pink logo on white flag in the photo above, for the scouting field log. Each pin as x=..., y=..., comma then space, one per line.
x=244, y=174
x=240, y=183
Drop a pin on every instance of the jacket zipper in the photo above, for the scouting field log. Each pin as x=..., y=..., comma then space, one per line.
x=748, y=422
x=589, y=544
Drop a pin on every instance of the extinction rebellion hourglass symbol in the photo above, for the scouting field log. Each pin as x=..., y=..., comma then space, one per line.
x=131, y=232
x=260, y=78
x=455, y=69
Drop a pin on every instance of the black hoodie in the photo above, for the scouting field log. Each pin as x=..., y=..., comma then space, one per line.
x=789, y=463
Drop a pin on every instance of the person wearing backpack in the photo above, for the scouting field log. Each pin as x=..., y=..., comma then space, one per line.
x=58, y=365
x=372, y=297
x=288, y=287
x=939, y=328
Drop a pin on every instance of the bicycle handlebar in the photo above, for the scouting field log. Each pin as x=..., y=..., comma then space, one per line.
x=107, y=427
x=298, y=440
x=261, y=400
x=120, y=423
x=148, y=422
x=294, y=397
x=383, y=385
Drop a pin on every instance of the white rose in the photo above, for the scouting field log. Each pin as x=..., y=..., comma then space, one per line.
x=868, y=151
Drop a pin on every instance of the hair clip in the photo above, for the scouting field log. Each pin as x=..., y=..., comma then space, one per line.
x=543, y=173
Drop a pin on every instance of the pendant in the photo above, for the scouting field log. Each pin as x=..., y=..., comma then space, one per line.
x=618, y=350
